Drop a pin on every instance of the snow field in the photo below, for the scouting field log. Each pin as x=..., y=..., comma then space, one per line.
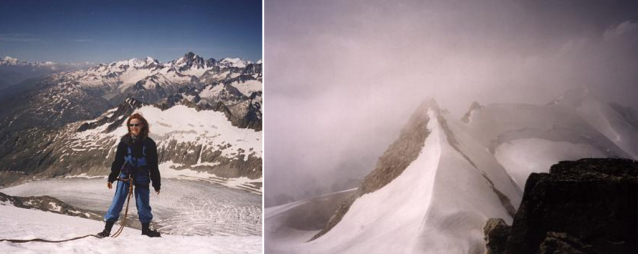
x=248, y=87
x=183, y=207
x=168, y=170
x=206, y=128
x=21, y=223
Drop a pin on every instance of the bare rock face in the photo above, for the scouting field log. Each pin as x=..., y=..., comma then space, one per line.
x=584, y=206
x=496, y=232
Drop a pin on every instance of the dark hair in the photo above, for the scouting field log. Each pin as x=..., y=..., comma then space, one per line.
x=145, y=129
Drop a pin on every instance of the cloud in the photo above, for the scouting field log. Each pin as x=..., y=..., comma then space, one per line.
x=18, y=38
x=624, y=29
x=355, y=71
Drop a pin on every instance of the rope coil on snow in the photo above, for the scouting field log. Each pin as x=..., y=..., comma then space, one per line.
x=116, y=234
x=44, y=240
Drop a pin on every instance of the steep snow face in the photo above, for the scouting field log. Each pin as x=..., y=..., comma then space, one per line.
x=467, y=171
x=391, y=209
x=428, y=208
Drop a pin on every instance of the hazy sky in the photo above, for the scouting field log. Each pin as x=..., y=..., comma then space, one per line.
x=106, y=31
x=342, y=77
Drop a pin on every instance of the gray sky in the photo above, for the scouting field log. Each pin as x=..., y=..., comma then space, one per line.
x=342, y=77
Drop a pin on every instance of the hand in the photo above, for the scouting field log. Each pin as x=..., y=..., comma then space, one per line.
x=110, y=185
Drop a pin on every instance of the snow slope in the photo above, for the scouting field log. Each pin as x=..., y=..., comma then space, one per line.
x=184, y=207
x=530, y=138
x=18, y=223
x=441, y=212
x=183, y=124
x=467, y=171
x=247, y=87
x=189, y=141
x=603, y=118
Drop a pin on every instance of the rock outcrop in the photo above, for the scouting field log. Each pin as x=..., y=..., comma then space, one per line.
x=584, y=206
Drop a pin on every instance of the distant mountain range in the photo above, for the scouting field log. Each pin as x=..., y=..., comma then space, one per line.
x=49, y=126
x=14, y=71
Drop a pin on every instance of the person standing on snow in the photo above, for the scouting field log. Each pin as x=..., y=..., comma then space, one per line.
x=136, y=156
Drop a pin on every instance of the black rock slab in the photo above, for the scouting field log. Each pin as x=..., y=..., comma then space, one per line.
x=584, y=206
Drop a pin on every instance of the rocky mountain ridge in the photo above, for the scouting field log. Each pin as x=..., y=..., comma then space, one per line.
x=38, y=127
x=464, y=171
x=49, y=204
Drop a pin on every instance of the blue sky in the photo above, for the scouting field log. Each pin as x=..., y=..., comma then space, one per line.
x=107, y=31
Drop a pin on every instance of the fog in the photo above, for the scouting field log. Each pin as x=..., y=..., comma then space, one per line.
x=342, y=77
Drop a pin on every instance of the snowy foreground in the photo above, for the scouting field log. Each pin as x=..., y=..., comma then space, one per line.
x=194, y=216
x=18, y=223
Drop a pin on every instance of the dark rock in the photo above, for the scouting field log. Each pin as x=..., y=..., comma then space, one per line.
x=584, y=206
x=475, y=106
x=496, y=232
x=556, y=243
x=50, y=204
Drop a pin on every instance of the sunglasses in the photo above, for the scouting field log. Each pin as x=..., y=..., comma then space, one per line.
x=135, y=125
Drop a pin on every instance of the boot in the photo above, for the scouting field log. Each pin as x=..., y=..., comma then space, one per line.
x=107, y=230
x=148, y=232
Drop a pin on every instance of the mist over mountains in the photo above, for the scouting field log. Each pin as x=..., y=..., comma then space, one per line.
x=204, y=113
x=435, y=187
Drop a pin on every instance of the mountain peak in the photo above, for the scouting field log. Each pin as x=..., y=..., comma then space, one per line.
x=10, y=59
x=234, y=62
x=189, y=60
x=190, y=55
x=394, y=160
x=475, y=106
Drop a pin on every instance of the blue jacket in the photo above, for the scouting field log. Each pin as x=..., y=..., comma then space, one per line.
x=147, y=149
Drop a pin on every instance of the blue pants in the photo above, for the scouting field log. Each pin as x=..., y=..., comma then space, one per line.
x=141, y=199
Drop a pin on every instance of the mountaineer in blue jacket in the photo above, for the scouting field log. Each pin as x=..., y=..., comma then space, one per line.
x=136, y=157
